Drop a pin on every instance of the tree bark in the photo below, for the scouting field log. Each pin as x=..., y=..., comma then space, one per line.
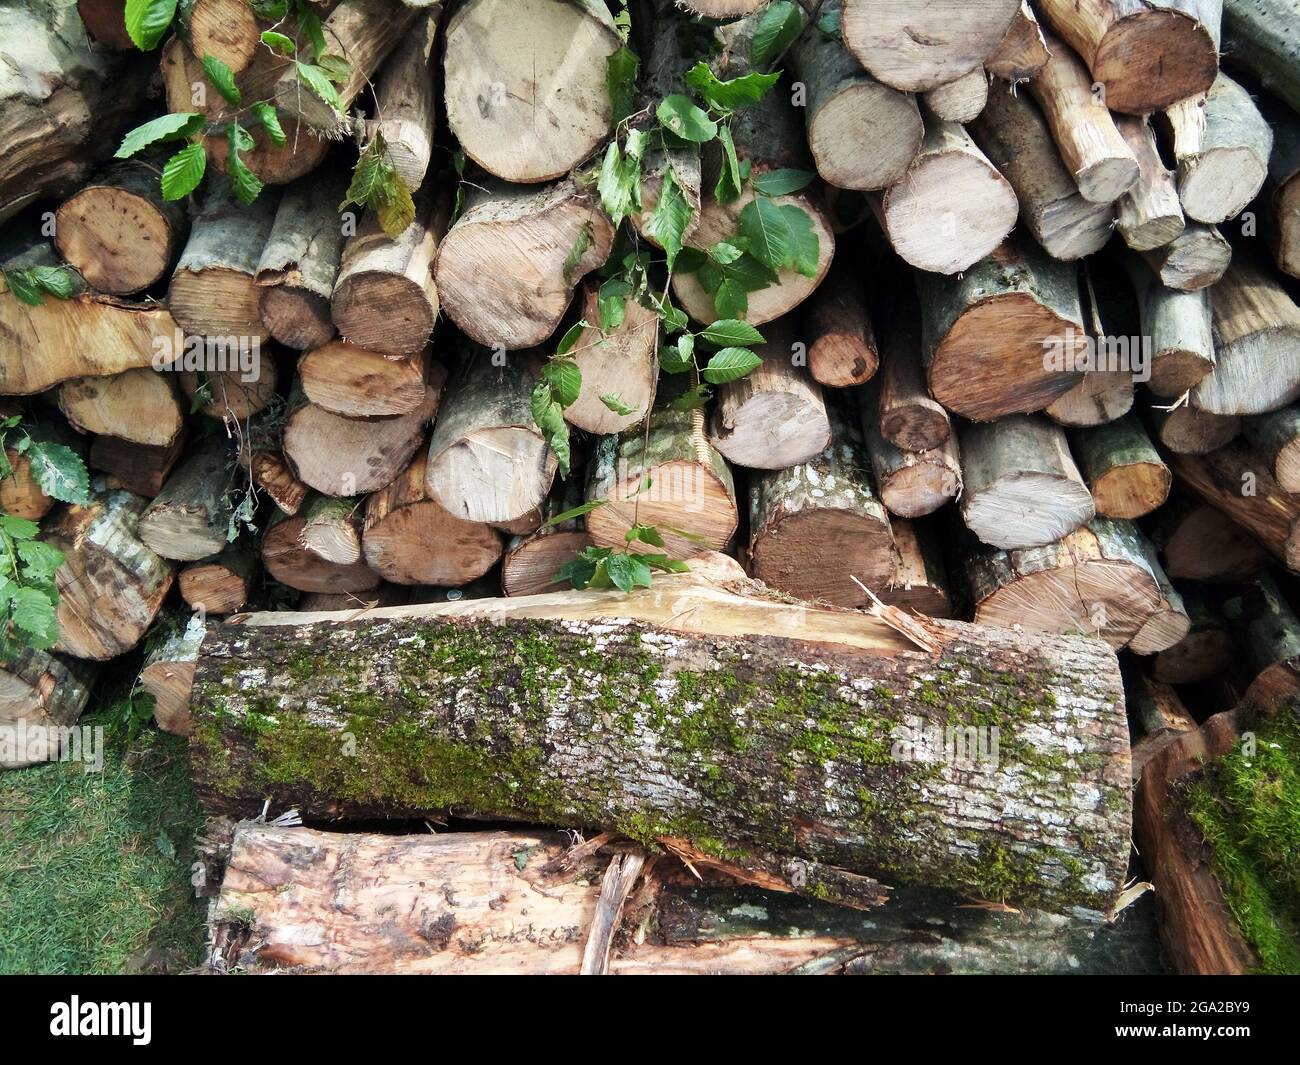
x=622, y=363
x=345, y=379
x=1192, y=261
x=841, y=343
x=862, y=814
x=1150, y=213
x=288, y=562
x=1122, y=468
x=141, y=406
x=1260, y=35
x=40, y=691
x=1155, y=708
x=190, y=518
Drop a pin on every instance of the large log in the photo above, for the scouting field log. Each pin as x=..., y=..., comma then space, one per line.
x=622, y=363
x=345, y=379
x=1146, y=54
x=39, y=691
x=141, y=406
x=1261, y=36
x=819, y=692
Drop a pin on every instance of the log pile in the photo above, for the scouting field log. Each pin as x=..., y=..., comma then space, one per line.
x=662, y=439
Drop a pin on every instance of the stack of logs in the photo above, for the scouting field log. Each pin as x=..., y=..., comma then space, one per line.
x=1043, y=378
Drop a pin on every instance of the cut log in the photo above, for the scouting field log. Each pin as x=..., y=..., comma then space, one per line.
x=105, y=562
x=221, y=584
x=1237, y=480
x=1268, y=643
x=1092, y=149
x=1284, y=190
x=1190, y=431
x=405, y=101
x=841, y=343
x=271, y=473
x=288, y=562
x=118, y=231
x=776, y=416
x=213, y=292
x=168, y=675
x=1095, y=580
x=345, y=379
x=1179, y=326
x=340, y=456
x=1122, y=468
x=506, y=269
x=138, y=468
x=690, y=486
x=532, y=561
x=961, y=100
x=494, y=100
x=1204, y=651
x=410, y=539
x=385, y=298
x=141, y=406
x=1100, y=397
x=39, y=695
x=488, y=461
x=1199, y=543
x=1004, y=338
x=1191, y=261
x=1023, y=51
x=1222, y=145
x=1146, y=54
x=233, y=396
x=227, y=30
x=20, y=492
x=1155, y=708
x=475, y=748
x=1257, y=343
x=1260, y=35
x=190, y=518
x=1277, y=438
x=818, y=528
x=915, y=48
x=105, y=21
x=621, y=363
x=920, y=581
x=909, y=417
x=862, y=133
x=1150, y=213
x=911, y=483
x=331, y=529
x=952, y=208
x=1169, y=624
x=300, y=262
x=1015, y=136
x=1022, y=486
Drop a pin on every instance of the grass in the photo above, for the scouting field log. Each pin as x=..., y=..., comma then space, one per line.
x=95, y=867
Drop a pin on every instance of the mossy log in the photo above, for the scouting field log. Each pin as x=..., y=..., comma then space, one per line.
x=39, y=691
x=766, y=734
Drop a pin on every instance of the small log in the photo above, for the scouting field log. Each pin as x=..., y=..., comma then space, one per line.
x=1096, y=580
x=622, y=363
x=1206, y=649
x=1276, y=436
x=912, y=483
x=1155, y=708
x=493, y=100
x=1260, y=35
x=1122, y=468
x=39, y=691
x=1091, y=147
x=138, y=468
x=1179, y=325
x=1023, y=51
x=1146, y=54
x=410, y=539
x=961, y=100
x=533, y=560
x=776, y=416
x=288, y=562
x=841, y=343
x=818, y=528
x=345, y=379
x=118, y=231
x=909, y=417
x=1268, y=643
x=1150, y=213
x=190, y=518
x=213, y=292
x=20, y=493
x=501, y=269
x=952, y=208
x=1013, y=133
x=1100, y=397
x=220, y=584
x=385, y=298
x=168, y=675
x=1190, y=431
x=405, y=101
x=1169, y=624
x=1222, y=144
x=1199, y=543
x=1004, y=338
x=105, y=562
x=232, y=395
x=271, y=473
x=1283, y=190
x=1192, y=261
x=141, y=406
x=916, y=49
x=1022, y=486
x=920, y=581
x=331, y=529
x=300, y=263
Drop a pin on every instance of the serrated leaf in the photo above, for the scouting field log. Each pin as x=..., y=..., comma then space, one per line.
x=727, y=189
x=565, y=378
x=183, y=171
x=724, y=254
x=367, y=174
x=549, y=417
x=220, y=74
x=766, y=232
x=318, y=81
x=671, y=216
x=671, y=360
x=58, y=281
x=805, y=248
x=627, y=571
x=59, y=472
x=682, y=117
x=147, y=21
x=571, y=336
x=266, y=114
x=693, y=399
x=614, y=402
x=309, y=23
x=729, y=95
x=40, y=558
x=612, y=301
x=619, y=184
x=729, y=332
x=278, y=42
x=644, y=534
x=730, y=364
x=23, y=287
x=731, y=299
x=18, y=528
x=778, y=26
x=33, y=612
x=246, y=185
x=336, y=68
x=396, y=209
x=621, y=81
x=164, y=128
x=783, y=182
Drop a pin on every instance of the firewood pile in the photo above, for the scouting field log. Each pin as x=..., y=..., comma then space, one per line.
x=844, y=452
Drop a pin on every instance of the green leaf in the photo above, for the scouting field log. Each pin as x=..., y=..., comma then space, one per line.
x=246, y=185
x=41, y=559
x=732, y=333
x=59, y=472
x=148, y=20
x=549, y=417
x=164, y=128
x=18, y=528
x=612, y=300
x=58, y=281
x=22, y=285
x=778, y=26
x=614, y=402
x=669, y=565
x=804, y=245
x=223, y=78
x=619, y=184
x=318, y=81
x=565, y=378
x=732, y=299
x=671, y=216
x=278, y=42
x=782, y=182
x=33, y=612
x=728, y=188
x=691, y=400
x=576, y=512
x=766, y=232
x=621, y=81
x=731, y=364
x=265, y=113
x=183, y=171
x=571, y=337
x=579, y=571
x=679, y=115
x=729, y=95
x=368, y=174
x=627, y=571
x=309, y=23
x=573, y=261
x=644, y=534
x=396, y=209
x=671, y=360
x=336, y=68
x=724, y=254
